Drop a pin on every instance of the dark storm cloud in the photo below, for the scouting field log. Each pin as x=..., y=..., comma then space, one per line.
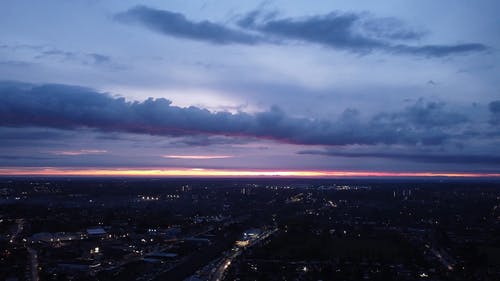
x=176, y=24
x=353, y=32
x=358, y=33
x=425, y=115
x=334, y=30
x=415, y=157
x=390, y=28
x=70, y=107
x=438, y=50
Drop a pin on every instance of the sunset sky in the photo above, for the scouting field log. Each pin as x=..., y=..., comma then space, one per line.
x=316, y=88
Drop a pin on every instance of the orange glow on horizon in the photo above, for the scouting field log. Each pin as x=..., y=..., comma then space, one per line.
x=197, y=172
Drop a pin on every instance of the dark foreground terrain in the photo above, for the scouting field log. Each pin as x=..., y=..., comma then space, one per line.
x=182, y=229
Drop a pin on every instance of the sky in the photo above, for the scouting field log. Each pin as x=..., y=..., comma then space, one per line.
x=228, y=88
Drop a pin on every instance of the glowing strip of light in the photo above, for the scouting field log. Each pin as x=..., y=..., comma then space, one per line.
x=197, y=157
x=185, y=172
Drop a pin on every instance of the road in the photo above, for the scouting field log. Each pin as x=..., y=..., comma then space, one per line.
x=444, y=258
x=222, y=267
x=33, y=263
x=33, y=255
x=19, y=229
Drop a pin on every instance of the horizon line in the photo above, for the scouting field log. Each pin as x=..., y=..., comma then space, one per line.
x=230, y=173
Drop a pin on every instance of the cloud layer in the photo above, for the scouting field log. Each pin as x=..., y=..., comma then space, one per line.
x=345, y=31
x=71, y=107
x=176, y=24
x=442, y=158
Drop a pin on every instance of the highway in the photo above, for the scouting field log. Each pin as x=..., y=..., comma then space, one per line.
x=223, y=265
x=33, y=263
